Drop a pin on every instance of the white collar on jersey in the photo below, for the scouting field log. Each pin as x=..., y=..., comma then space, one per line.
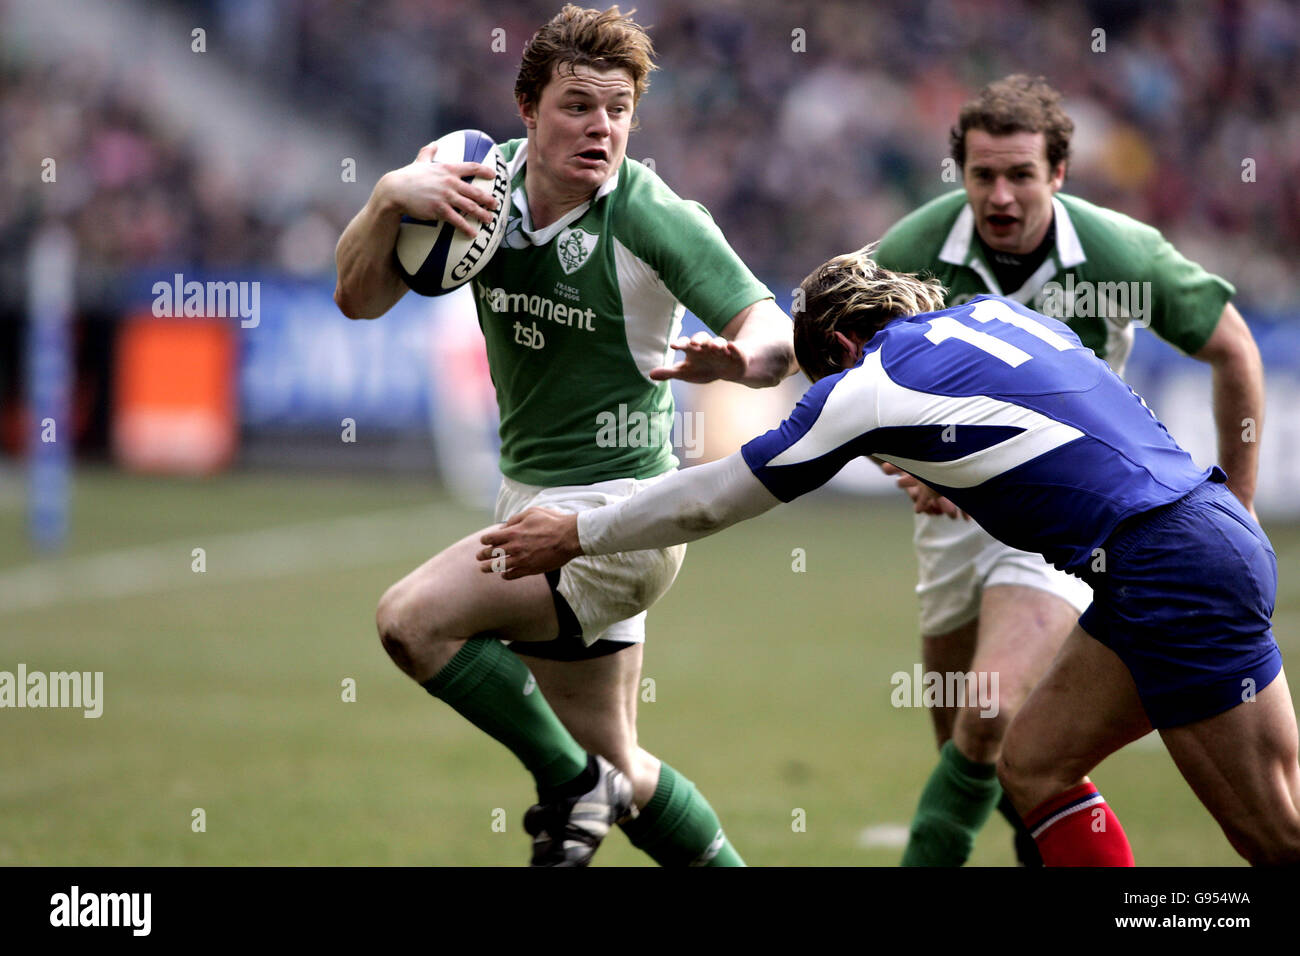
x=958, y=250
x=540, y=237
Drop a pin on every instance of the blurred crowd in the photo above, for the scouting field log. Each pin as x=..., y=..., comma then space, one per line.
x=805, y=129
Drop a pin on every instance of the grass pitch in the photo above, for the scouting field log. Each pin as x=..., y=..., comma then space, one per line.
x=223, y=689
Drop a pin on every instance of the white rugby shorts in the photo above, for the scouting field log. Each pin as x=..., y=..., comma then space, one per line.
x=608, y=593
x=957, y=559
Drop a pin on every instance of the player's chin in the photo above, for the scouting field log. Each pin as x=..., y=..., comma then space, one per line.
x=592, y=173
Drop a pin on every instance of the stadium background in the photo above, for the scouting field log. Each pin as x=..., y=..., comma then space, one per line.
x=806, y=130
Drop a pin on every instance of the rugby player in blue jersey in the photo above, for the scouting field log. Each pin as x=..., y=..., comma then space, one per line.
x=1008, y=415
x=1011, y=230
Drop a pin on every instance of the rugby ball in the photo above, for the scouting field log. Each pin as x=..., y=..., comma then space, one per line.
x=434, y=256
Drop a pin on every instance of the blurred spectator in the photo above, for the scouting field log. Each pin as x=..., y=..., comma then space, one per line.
x=801, y=155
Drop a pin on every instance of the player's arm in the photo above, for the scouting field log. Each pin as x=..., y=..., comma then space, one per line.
x=1238, y=375
x=765, y=337
x=684, y=507
x=755, y=348
x=749, y=339
x=698, y=501
x=1192, y=309
x=368, y=281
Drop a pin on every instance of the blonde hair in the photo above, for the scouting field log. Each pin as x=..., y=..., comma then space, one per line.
x=853, y=295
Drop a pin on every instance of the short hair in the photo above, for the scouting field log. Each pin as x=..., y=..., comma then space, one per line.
x=854, y=295
x=1016, y=104
x=576, y=37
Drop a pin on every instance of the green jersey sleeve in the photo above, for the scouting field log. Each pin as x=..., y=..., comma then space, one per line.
x=679, y=240
x=1185, y=300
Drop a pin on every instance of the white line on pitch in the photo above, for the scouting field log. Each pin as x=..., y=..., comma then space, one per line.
x=890, y=835
x=352, y=541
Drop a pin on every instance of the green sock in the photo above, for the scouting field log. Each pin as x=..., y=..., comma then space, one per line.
x=679, y=828
x=485, y=684
x=955, y=803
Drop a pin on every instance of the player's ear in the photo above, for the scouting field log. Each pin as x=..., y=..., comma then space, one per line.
x=528, y=113
x=851, y=349
x=1057, y=179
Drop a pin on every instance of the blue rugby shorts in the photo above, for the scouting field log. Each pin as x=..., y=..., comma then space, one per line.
x=1185, y=601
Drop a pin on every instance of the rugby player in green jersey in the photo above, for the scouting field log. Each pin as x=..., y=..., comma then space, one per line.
x=581, y=307
x=986, y=607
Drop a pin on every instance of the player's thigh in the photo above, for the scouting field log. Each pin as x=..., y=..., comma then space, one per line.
x=948, y=653
x=1021, y=631
x=1085, y=708
x=1242, y=765
x=448, y=598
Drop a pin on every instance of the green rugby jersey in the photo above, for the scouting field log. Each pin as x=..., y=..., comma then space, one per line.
x=577, y=314
x=1106, y=273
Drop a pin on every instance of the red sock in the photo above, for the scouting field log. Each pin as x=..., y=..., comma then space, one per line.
x=1077, y=828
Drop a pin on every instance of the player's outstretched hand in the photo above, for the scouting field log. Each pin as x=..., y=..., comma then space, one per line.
x=705, y=358
x=925, y=500
x=532, y=542
x=428, y=190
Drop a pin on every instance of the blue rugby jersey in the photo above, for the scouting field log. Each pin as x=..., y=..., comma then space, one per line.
x=1002, y=410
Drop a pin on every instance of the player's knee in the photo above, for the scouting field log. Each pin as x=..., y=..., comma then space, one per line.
x=394, y=619
x=1010, y=774
x=979, y=732
x=388, y=613
x=388, y=622
x=1031, y=775
x=1026, y=778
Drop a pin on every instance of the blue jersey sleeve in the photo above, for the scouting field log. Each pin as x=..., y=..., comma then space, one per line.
x=833, y=423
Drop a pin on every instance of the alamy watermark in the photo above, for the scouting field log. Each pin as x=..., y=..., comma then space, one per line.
x=1112, y=301
x=129, y=910
x=76, y=689
x=196, y=299
x=947, y=689
x=638, y=429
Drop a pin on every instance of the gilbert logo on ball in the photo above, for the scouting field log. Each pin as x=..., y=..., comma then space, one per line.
x=432, y=255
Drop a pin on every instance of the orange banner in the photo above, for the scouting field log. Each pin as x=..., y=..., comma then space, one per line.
x=175, y=408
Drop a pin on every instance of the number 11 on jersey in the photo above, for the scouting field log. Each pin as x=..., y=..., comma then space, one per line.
x=946, y=327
